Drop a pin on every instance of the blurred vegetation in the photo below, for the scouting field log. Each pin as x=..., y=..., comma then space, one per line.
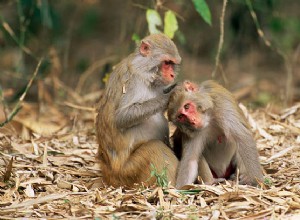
x=82, y=40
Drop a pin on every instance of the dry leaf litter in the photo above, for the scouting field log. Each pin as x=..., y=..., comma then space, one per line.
x=48, y=170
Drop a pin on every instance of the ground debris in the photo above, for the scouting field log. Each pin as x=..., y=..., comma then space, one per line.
x=51, y=176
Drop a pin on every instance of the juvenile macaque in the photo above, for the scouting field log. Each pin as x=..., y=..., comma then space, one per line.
x=131, y=129
x=212, y=138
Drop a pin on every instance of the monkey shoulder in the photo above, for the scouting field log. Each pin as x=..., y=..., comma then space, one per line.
x=216, y=90
x=223, y=100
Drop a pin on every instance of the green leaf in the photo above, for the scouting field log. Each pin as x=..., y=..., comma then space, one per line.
x=268, y=182
x=189, y=192
x=202, y=8
x=136, y=38
x=152, y=173
x=45, y=12
x=154, y=20
x=171, y=25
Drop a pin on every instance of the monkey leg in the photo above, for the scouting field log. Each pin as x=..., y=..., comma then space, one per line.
x=204, y=171
x=138, y=167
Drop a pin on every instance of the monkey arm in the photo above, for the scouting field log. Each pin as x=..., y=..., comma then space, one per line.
x=236, y=130
x=248, y=153
x=137, y=112
x=188, y=166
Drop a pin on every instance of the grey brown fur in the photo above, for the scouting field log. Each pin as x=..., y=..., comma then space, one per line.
x=199, y=148
x=131, y=129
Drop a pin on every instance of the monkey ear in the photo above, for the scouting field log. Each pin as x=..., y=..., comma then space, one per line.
x=145, y=48
x=190, y=87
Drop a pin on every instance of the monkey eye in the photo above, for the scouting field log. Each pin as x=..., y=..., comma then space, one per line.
x=186, y=106
x=169, y=62
x=180, y=116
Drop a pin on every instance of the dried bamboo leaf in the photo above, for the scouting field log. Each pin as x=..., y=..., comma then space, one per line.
x=280, y=154
x=8, y=170
x=71, y=161
x=39, y=200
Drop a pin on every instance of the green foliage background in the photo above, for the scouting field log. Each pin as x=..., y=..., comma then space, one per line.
x=85, y=31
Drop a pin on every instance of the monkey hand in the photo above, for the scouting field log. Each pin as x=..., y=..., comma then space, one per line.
x=164, y=99
x=170, y=88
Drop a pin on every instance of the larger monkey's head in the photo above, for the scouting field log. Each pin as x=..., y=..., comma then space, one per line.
x=158, y=56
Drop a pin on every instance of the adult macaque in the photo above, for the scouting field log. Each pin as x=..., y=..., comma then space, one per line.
x=131, y=129
x=212, y=138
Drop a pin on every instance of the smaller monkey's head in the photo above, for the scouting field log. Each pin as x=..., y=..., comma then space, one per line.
x=189, y=107
x=158, y=54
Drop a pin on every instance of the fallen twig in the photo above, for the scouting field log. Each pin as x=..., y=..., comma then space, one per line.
x=18, y=106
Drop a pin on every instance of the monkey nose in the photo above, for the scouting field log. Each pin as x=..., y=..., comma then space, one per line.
x=193, y=120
